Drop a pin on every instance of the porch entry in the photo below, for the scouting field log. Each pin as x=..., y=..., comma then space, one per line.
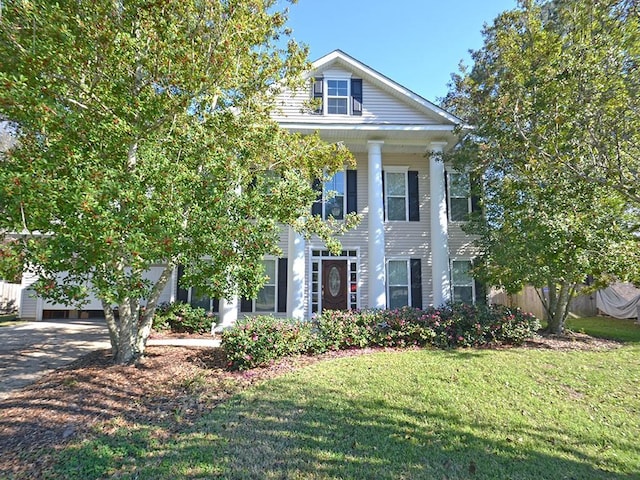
x=334, y=280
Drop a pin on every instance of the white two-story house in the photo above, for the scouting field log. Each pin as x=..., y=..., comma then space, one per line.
x=409, y=248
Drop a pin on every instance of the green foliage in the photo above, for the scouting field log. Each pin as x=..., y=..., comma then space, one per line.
x=146, y=126
x=258, y=341
x=182, y=318
x=553, y=96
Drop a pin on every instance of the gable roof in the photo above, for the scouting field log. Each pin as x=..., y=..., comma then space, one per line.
x=340, y=58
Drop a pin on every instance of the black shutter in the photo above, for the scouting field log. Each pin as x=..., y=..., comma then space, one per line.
x=352, y=191
x=316, y=208
x=246, y=305
x=282, y=285
x=416, y=283
x=481, y=292
x=384, y=199
x=183, y=293
x=356, y=96
x=215, y=305
x=414, y=200
x=317, y=93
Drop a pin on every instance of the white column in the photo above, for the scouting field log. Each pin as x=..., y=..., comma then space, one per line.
x=439, y=227
x=228, y=313
x=377, y=284
x=296, y=275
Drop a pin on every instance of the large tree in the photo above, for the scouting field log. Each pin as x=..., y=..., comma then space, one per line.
x=553, y=96
x=144, y=138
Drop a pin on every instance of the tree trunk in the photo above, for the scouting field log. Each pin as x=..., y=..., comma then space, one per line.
x=130, y=331
x=557, y=306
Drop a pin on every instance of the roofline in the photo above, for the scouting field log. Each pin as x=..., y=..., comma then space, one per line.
x=367, y=127
x=339, y=54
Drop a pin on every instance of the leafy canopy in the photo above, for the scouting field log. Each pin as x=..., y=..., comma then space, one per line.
x=144, y=136
x=553, y=97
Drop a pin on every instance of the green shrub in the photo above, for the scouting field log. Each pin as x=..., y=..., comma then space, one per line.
x=258, y=341
x=342, y=329
x=182, y=318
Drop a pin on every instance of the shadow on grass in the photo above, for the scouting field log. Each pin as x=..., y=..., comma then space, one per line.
x=317, y=434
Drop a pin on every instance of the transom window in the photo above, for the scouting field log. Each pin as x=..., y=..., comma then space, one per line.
x=333, y=195
x=338, y=97
x=398, y=283
x=396, y=195
x=459, y=197
x=462, y=281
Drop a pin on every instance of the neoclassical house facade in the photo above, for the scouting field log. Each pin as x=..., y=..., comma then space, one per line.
x=409, y=248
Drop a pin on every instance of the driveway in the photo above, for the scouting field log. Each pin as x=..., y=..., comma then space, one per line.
x=31, y=350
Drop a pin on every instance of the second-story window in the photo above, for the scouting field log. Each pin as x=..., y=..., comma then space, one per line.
x=334, y=197
x=338, y=97
x=396, y=195
x=459, y=197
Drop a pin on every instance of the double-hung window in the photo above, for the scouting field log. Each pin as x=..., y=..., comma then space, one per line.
x=396, y=195
x=459, y=197
x=338, y=97
x=333, y=195
x=462, y=281
x=398, y=284
x=266, y=299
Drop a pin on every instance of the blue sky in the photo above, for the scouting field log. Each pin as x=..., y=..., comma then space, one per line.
x=417, y=43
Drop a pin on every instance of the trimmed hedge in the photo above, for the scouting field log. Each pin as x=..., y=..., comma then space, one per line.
x=258, y=341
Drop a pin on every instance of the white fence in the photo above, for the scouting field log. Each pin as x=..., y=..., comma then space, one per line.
x=9, y=297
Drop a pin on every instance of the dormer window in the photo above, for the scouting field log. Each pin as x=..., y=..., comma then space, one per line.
x=338, y=96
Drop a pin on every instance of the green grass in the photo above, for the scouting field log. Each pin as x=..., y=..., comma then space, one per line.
x=625, y=330
x=419, y=414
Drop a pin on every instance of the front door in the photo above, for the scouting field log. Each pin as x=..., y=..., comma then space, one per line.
x=334, y=284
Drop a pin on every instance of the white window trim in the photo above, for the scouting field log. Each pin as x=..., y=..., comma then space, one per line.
x=473, y=281
x=405, y=171
x=318, y=258
x=344, y=196
x=274, y=284
x=468, y=196
x=335, y=75
x=388, y=284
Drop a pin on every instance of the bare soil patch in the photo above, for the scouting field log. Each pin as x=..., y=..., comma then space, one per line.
x=170, y=387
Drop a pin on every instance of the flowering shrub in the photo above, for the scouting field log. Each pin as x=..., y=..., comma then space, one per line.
x=260, y=340
x=257, y=341
x=343, y=329
x=182, y=318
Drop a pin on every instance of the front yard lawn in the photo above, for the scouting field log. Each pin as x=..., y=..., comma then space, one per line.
x=420, y=414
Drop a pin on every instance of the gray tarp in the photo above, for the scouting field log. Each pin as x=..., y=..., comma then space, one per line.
x=620, y=300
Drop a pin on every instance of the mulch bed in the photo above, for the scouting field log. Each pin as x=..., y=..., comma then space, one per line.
x=170, y=386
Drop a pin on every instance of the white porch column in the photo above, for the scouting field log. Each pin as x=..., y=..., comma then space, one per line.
x=296, y=275
x=228, y=313
x=439, y=227
x=377, y=284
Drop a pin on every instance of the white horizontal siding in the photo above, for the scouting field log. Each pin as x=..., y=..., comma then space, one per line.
x=412, y=239
x=9, y=297
x=378, y=107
